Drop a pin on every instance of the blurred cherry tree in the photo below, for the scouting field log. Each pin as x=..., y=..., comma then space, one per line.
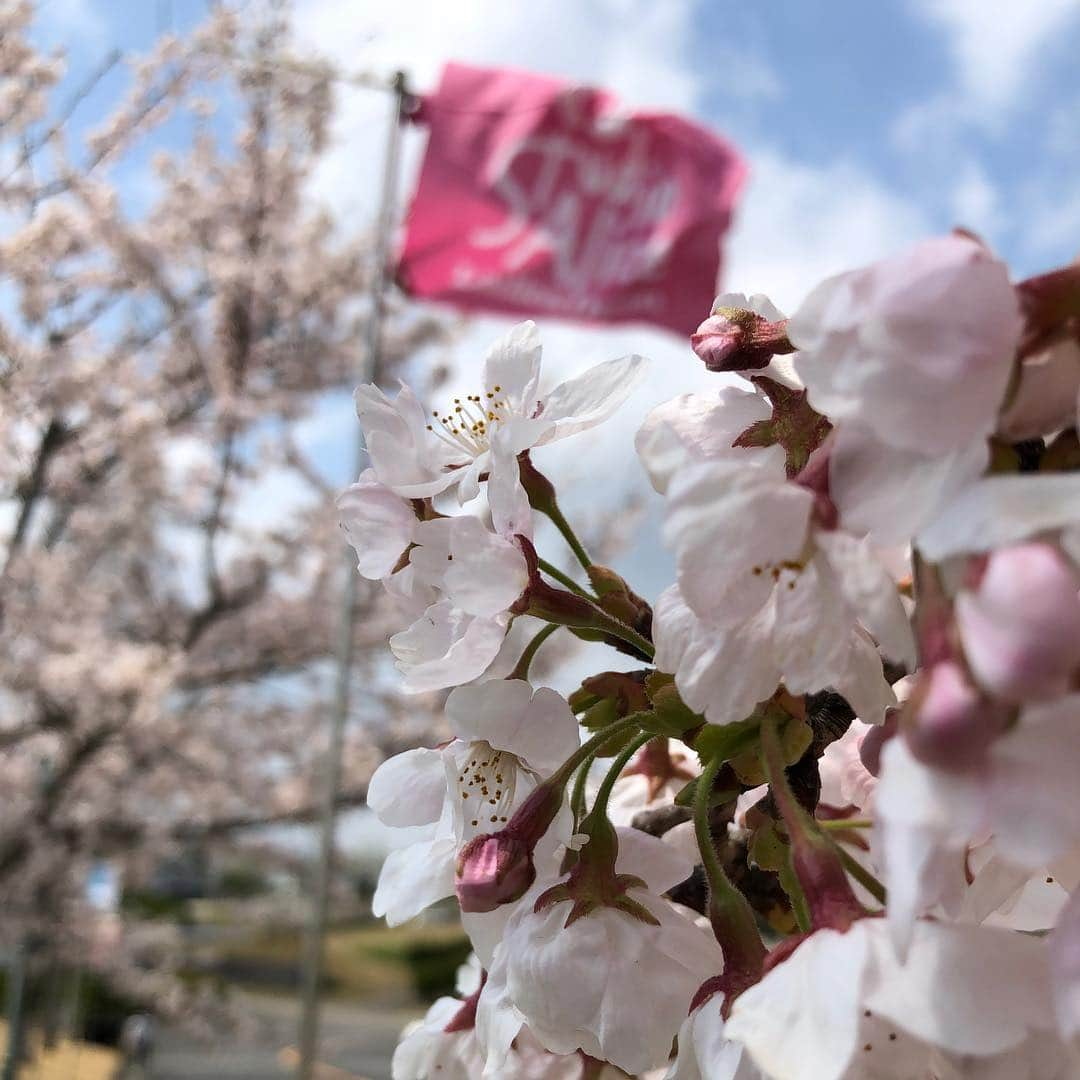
x=170, y=568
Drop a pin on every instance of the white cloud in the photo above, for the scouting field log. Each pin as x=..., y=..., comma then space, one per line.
x=996, y=44
x=800, y=223
x=73, y=24
x=975, y=201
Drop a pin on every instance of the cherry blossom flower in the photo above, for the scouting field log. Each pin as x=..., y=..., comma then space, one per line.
x=1020, y=624
x=966, y=1001
x=911, y=358
x=699, y=427
x=765, y=596
x=506, y=737
x=609, y=984
x=417, y=458
x=919, y=348
x=474, y=575
x=926, y=817
x=379, y=524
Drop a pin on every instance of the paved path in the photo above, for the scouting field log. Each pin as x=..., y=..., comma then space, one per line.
x=356, y=1043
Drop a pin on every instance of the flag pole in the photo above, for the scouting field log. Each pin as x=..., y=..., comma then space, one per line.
x=331, y=778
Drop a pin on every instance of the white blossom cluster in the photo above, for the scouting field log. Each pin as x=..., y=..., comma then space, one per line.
x=830, y=827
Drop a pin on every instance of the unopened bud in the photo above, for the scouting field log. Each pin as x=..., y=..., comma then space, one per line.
x=951, y=723
x=1020, y=625
x=493, y=869
x=736, y=339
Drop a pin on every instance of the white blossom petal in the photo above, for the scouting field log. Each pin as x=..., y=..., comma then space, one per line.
x=1000, y=510
x=408, y=788
x=590, y=398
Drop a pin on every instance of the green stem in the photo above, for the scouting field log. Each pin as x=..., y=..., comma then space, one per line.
x=862, y=875
x=617, y=628
x=800, y=826
x=521, y=669
x=577, y=796
x=815, y=860
x=587, y=749
x=563, y=579
x=840, y=824
x=556, y=515
x=730, y=912
x=599, y=807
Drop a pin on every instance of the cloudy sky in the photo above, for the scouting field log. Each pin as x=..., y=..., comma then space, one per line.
x=866, y=126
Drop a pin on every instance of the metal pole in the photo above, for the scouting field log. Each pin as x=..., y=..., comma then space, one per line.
x=15, y=991
x=313, y=951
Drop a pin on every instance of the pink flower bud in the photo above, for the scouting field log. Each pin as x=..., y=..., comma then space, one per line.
x=736, y=339
x=952, y=723
x=1020, y=626
x=493, y=869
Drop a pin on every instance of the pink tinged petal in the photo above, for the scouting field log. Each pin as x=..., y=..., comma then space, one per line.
x=513, y=365
x=696, y=427
x=732, y=527
x=484, y=712
x=468, y=478
x=589, y=399
x=1065, y=969
x=1037, y=822
x=378, y=524
x=892, y=494
x=801, y=1021
x=871, y=592
x=1020, y=627
x=414, y=878
x=920, y=346
x=486, y=573
x=951, y=722
x=446, y=647
x=966, y=989
x=1000, y=510
x=408, y=788
x=1045, y=396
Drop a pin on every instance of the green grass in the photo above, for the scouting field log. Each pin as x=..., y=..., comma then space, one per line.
x=369, y=962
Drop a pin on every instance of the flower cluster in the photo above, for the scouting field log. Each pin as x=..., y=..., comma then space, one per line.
x=826, y=825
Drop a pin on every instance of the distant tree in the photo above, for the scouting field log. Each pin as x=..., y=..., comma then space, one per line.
x=171, y=563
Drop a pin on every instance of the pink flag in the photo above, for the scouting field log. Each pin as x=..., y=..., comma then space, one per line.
x=537, y=198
